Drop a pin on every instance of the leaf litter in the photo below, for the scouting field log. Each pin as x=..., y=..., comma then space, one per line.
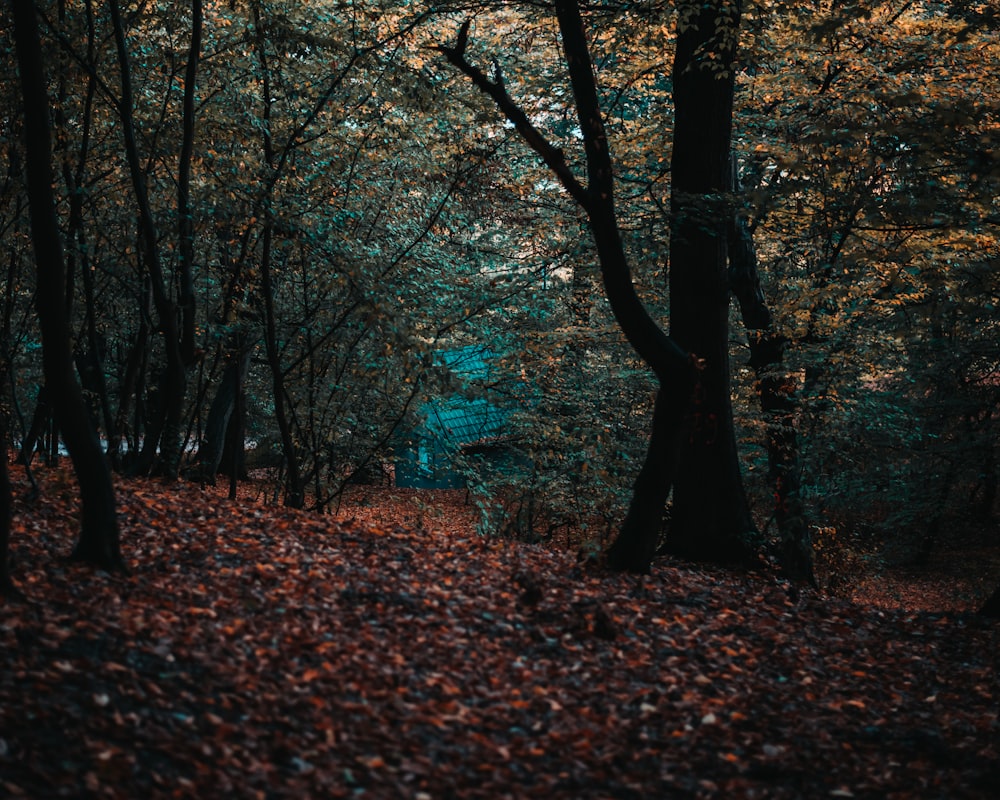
x=262, y=652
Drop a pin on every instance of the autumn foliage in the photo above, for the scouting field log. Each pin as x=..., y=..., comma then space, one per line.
x=259, y=652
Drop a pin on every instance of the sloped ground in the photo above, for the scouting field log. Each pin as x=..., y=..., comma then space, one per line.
x=257, y=652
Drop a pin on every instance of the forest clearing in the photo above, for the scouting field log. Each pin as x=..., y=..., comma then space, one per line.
x=255, y=651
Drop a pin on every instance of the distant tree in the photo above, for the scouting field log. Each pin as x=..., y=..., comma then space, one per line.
x=777, y=390
x=175, y=318
x=99, y=539
x=872, y=203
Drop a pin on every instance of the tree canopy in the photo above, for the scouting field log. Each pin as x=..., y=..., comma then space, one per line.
x=278, y=217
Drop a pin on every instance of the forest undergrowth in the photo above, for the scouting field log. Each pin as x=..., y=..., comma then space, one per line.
x=387, y=651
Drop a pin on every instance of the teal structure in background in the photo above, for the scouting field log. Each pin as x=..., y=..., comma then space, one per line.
x=466, y=423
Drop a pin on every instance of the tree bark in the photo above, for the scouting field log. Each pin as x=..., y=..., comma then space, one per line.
x=710, y=516
x=99, y=539
x=991, y=608
x=778, y=394
x=294, y=481
x=218, y=427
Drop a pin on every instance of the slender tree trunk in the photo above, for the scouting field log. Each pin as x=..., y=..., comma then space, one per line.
x=778, y=393
x=185, y=220
x=99, y=539
x=95, y=353
x=7, y=588
x=294, y=482
x=218, y=427
x=130, y=386
x=989, y=482
x=639, y=537
x=710, y=516
x=90, y=359
x=168, y=432
x=40, y=420
x=236, y=426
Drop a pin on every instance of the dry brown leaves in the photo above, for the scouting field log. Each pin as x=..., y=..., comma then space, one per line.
x=258, y=652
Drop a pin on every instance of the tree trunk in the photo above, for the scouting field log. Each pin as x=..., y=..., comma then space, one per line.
x=99, y=540
x=220, y=415
x=129, y=389
x=991, y=608
x=710, y=517
x=294, y=481
x=40, y=422
x=778, y=393
x=672, y=365
x=185, y=221
x=639, y=536
x=167, y=431
x=7, y=588
x=236, y=430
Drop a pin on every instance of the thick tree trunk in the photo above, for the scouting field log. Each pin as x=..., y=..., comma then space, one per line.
x=710, y=517
x=639, y=537
x=98, y=542
x=672, y=365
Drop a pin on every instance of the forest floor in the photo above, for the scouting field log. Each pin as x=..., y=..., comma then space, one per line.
x=386, y=651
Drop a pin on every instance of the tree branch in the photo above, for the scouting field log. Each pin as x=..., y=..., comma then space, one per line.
x=553, y=157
